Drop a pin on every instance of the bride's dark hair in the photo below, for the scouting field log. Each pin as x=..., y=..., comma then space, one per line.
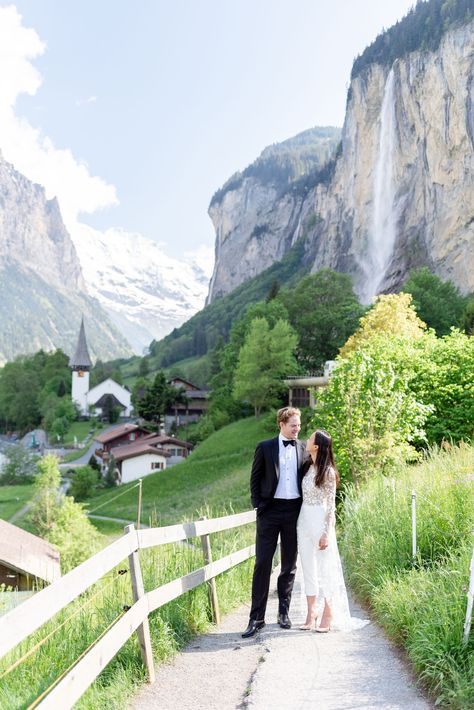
x=324, y=457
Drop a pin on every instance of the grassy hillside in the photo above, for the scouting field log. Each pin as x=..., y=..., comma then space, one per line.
x=215, y=476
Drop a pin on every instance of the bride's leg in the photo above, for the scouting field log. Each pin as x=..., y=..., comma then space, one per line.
x=311, y=614
x=327, y=616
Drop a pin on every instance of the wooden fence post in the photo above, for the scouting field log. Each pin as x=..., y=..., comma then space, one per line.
x=413, y=524
x=139, y=511
x=206, y=549
x=470, y=597
x=143, y=631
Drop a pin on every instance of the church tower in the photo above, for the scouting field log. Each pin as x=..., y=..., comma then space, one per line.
x=80, y=363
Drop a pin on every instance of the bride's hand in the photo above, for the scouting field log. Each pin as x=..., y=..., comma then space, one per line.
x=323, y=541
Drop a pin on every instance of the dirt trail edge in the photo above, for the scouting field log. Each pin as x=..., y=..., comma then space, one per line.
x=284, y=670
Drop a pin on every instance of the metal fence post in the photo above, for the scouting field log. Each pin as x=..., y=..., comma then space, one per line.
x=206, y=549
x=470, y=597
x=413, y=524
x=143, y=631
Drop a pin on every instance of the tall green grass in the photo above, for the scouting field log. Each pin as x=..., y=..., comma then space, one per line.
x=421, y=602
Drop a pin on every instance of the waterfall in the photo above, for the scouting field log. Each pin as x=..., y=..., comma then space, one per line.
x=382, y=234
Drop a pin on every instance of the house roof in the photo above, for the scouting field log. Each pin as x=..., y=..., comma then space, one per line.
x=130, y=451
x=119, y=431
x=176, y=380
x=27, y=553
x=160, y=439
x=81, y=358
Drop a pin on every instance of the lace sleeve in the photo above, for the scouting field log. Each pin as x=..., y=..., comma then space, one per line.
x=330, y=494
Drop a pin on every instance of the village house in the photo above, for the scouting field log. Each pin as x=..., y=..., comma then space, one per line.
x=197, y=404
x=138, y=452
x=138, y=460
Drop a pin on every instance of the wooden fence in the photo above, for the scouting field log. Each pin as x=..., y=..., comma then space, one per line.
x=22, y=621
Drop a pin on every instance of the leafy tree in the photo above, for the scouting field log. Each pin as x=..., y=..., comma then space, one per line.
x=59, y=519
x=467, y=318
x=391, y=314
x=264, y=358
x=445, y=380
x=20, y=466
x=324, y=311
x=74, y=535
x=370, y=408
x=82, y=483
x=222, y=401
x=47, y=497
x=438, y=303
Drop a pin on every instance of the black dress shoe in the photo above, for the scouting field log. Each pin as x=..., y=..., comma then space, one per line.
x=252, y=628
x=284, y=621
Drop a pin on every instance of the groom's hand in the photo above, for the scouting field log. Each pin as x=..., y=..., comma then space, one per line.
x=323, y=541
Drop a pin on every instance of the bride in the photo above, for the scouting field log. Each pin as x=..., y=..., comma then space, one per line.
x=317, y=545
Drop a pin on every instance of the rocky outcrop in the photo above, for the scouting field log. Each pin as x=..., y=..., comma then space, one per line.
x=401, y=193
x=259, y=214
x=42, y=291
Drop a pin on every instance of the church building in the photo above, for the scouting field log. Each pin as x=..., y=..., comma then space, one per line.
x=103, y=396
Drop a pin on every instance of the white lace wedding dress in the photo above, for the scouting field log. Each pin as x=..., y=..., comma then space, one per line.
x=322, y=569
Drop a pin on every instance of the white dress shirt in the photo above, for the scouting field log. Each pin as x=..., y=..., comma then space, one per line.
x=287, y=487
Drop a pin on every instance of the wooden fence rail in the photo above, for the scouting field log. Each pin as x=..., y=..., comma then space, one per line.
x=19, y=623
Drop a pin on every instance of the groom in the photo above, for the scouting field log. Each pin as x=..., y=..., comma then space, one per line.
x=275, y=487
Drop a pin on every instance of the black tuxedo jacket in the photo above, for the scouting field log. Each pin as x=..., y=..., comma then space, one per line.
x=266, y=471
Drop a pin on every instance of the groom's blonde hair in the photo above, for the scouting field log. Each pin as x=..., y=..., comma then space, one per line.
x=284, y=414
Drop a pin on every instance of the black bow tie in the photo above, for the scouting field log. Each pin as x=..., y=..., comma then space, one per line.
x=292, y=442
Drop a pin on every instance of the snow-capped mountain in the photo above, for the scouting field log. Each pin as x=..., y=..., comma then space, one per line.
x=144, y=292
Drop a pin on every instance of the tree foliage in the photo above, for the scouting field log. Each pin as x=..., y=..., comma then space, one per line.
x=156, y=397
x=391, y=314
x=31, y=387
x=264, y=358
x=438, y=303
x=422, y=28
x=59, y=519
x=20, y=466
x=324, y=311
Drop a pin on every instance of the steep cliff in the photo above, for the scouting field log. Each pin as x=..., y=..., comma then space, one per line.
x=398, y=195
x=42, y=292
x=258, y=214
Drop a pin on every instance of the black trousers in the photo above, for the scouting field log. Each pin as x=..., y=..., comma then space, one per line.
x=278, y=518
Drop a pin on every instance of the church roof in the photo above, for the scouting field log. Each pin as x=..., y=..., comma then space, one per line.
x=81, y=358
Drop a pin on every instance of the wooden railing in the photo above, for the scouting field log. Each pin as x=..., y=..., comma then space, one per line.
x=22, y=621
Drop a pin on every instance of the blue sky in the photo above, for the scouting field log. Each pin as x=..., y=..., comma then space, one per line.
x=142, y=109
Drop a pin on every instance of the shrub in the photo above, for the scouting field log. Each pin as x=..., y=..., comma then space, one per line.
x=82, y=483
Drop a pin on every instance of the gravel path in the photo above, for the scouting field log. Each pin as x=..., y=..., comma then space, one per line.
x=284, y=670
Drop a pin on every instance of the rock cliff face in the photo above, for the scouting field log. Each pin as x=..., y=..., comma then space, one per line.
x=42, y=292
x=399, y=195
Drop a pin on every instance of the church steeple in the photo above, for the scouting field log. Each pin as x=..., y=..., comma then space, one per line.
x=81, y=358
x=81, y=363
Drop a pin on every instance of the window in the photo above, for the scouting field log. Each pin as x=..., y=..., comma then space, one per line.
x=157, y=465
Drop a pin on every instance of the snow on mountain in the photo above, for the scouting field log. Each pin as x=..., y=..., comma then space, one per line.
x=145, y=293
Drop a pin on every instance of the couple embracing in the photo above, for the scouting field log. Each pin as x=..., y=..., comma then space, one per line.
x=293, y=488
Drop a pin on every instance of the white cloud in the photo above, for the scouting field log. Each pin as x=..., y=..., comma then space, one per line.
x=32, y=153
